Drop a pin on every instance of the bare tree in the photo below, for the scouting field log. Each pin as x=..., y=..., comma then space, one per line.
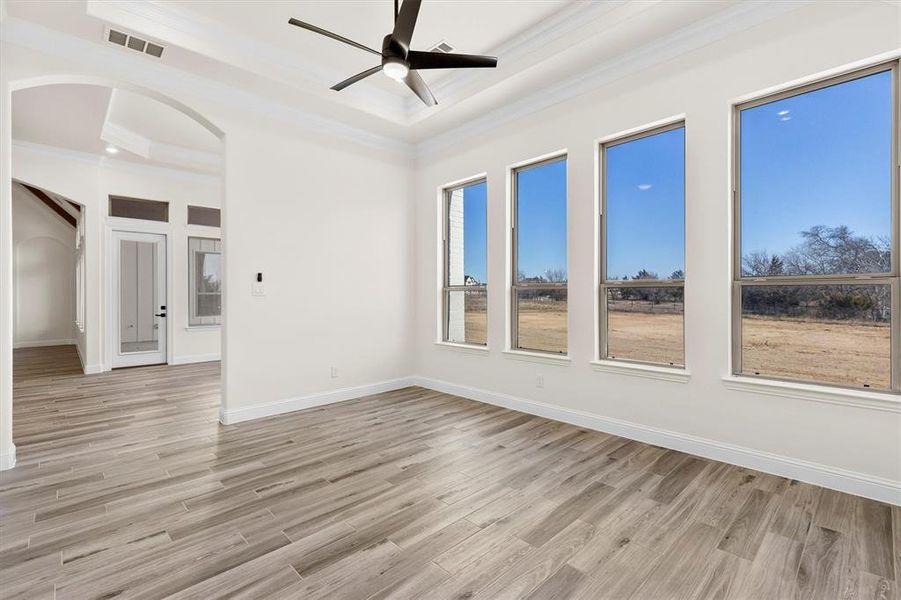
x=761, y=264
x=828, y=250
x=557, y=275
x=823, y=251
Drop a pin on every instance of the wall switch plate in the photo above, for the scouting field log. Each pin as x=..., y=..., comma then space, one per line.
x=334, y=372
x=539, y=381
x=257, y=289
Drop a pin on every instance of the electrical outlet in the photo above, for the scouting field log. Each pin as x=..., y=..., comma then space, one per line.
x=334, y=372
x=539, y=381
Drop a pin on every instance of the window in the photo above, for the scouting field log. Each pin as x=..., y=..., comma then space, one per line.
x=202, y=215
x=539, y=286
x=643, y=247
x=136, y=208
x=466, y=264
x=816, y=286
x=204, y=281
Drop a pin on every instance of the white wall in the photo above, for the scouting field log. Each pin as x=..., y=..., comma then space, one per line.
x=330, y=229
x=856, y=445
x=43, y=273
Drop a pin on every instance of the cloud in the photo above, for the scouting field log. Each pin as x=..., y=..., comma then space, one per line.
x=644, y=186
x=782, y=113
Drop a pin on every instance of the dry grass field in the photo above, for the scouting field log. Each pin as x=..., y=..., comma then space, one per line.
x=840, y=352
x=843, y=352
x=647, y=337
x=542, y=325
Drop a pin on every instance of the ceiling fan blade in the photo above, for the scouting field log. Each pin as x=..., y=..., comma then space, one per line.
x=405, y=22
x=415, y=82
x=440, y=60
x=352, y=80
x=334, y=36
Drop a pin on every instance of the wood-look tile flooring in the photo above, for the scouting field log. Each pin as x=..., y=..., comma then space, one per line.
x=128, y=487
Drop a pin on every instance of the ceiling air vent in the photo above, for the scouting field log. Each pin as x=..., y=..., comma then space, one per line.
x=132, y=42
x=443, y=47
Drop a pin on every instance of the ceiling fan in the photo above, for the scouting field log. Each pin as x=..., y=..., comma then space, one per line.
x=398, y=61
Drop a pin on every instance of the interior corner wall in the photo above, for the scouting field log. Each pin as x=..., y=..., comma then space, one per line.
x=846, y=443
x=43, y=273
x=328, y=224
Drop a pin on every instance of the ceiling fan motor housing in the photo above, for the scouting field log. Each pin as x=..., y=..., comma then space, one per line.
x=392, y=51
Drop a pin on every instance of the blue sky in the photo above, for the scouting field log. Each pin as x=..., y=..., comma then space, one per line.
x=475, y=248
x=541, y=215
x=821, y=158
x=645, y=181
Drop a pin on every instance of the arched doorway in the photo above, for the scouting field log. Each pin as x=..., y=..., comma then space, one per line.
x=96, y=243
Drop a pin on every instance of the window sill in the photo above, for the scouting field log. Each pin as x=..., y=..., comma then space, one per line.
x=539, y=357
x=885, y=401
x=639, y=370
x=464, y=348
x=202, y=327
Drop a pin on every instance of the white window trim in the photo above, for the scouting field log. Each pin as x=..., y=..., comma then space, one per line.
x=476, y=349
x=547, y=358
x=646, y=370
x=885, y=401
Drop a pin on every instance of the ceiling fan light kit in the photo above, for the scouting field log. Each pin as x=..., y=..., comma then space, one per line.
x=398, y=61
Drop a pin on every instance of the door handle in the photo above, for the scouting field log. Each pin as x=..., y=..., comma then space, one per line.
x=159, y=314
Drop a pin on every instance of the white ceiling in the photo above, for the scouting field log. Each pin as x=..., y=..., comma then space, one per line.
x=65, y=116
x=88, y=118
x=549, y=47
x=368, y=21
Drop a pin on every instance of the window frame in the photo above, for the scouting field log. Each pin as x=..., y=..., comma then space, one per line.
x=446, y=288
x=515, y=285
x=891, y=278
x=214, y=321
x=605, y=284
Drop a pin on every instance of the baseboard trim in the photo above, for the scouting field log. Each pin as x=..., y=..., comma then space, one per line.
x=87, y=369
x=230, y=417
x=43, y=343
x=194, y=358
x=8, y=459
x=859, y=484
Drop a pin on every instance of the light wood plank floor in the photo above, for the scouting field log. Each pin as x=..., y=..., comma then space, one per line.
x=128, y=487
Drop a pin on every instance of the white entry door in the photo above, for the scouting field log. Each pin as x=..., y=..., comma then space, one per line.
x=139, y=290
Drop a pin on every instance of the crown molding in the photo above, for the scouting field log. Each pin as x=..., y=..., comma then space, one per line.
x=179, y=26
x=175, y=82
x=112, y=163
x=704, y=32
x=560, y=25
